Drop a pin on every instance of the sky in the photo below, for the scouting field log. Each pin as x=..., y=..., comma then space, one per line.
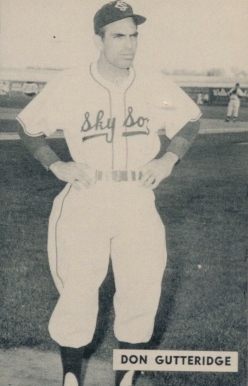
x=179, y=34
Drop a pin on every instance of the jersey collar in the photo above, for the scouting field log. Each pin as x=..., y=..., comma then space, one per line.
x=109, y=85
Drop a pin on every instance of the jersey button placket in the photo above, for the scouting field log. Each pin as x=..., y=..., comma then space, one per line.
x=119, y=144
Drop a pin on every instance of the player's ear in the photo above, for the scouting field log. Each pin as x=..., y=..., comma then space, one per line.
x=98, y=42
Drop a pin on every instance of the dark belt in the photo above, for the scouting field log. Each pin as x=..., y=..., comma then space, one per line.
x=118, y=175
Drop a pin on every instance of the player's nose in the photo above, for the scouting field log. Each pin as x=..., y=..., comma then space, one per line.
x=128, y=42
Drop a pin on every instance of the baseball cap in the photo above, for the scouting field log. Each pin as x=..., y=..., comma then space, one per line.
x=114, y=11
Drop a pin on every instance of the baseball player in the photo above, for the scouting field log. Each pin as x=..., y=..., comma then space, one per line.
x=199, y=99
x=234, y=102
x=110, y=114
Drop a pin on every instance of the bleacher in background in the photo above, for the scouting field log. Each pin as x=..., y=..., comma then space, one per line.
x=214, y=95
x=19, y=87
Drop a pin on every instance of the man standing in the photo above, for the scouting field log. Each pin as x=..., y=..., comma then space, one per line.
x=234, y=103
x=199, y=99
x=110, y=115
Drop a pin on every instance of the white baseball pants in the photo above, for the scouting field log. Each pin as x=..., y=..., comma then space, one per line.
x=233, y=108
x=86, y=227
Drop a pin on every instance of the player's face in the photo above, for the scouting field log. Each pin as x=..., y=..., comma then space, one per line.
x=120, y=43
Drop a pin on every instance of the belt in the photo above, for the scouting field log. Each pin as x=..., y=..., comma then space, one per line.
x=118, y=175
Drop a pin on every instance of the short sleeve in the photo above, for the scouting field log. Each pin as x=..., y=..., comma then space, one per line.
x=240, y=92
x=172, y=107
x=42, y=115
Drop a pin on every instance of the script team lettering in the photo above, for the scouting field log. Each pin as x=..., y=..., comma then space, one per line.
x=99, y=126
x=131, y=122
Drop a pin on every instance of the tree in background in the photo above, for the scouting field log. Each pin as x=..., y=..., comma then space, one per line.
x=182, y=71
x=216, y=72
x=239, y=73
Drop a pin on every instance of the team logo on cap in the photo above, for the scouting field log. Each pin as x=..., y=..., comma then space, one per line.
x=121, y=5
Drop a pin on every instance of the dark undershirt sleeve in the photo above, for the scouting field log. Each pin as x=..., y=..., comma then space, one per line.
x=39, y=148
x=183, y=140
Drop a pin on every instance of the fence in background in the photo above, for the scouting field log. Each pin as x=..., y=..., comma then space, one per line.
x=19, y=87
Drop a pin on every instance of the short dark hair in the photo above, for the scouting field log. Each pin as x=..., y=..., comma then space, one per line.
x=102, y=32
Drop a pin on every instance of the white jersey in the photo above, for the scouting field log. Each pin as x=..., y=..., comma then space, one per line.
x=235, y=94
x=108, y=126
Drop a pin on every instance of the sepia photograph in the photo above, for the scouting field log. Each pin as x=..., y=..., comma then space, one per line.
x=124, y=186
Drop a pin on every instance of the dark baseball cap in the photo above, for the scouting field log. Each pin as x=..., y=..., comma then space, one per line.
x=114, y=11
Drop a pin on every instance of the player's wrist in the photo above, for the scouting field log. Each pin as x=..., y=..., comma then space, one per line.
x=55, y=166
x=171, y=157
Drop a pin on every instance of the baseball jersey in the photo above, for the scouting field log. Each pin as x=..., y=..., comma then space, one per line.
x=235, y=93
x=105, y=125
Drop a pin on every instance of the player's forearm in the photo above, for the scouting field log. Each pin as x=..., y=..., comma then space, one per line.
x=46, y=156
x=170, y=158
x=183, y=140
x=39, y=148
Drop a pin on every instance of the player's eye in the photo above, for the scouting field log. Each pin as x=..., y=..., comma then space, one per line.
x=135, y=35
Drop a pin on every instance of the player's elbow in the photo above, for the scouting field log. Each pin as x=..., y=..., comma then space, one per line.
x=190, y=130
x=197, y=126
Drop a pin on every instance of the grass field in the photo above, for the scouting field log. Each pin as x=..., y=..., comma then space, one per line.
x=219, y=112
x=204, y=297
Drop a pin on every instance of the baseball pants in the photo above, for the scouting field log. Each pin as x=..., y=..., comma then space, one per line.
x=86, y=227
x=233, y=108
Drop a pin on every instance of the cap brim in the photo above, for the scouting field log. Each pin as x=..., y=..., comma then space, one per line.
x=139, y=19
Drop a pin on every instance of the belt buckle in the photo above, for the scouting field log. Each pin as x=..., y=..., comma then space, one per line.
x=117, y=175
